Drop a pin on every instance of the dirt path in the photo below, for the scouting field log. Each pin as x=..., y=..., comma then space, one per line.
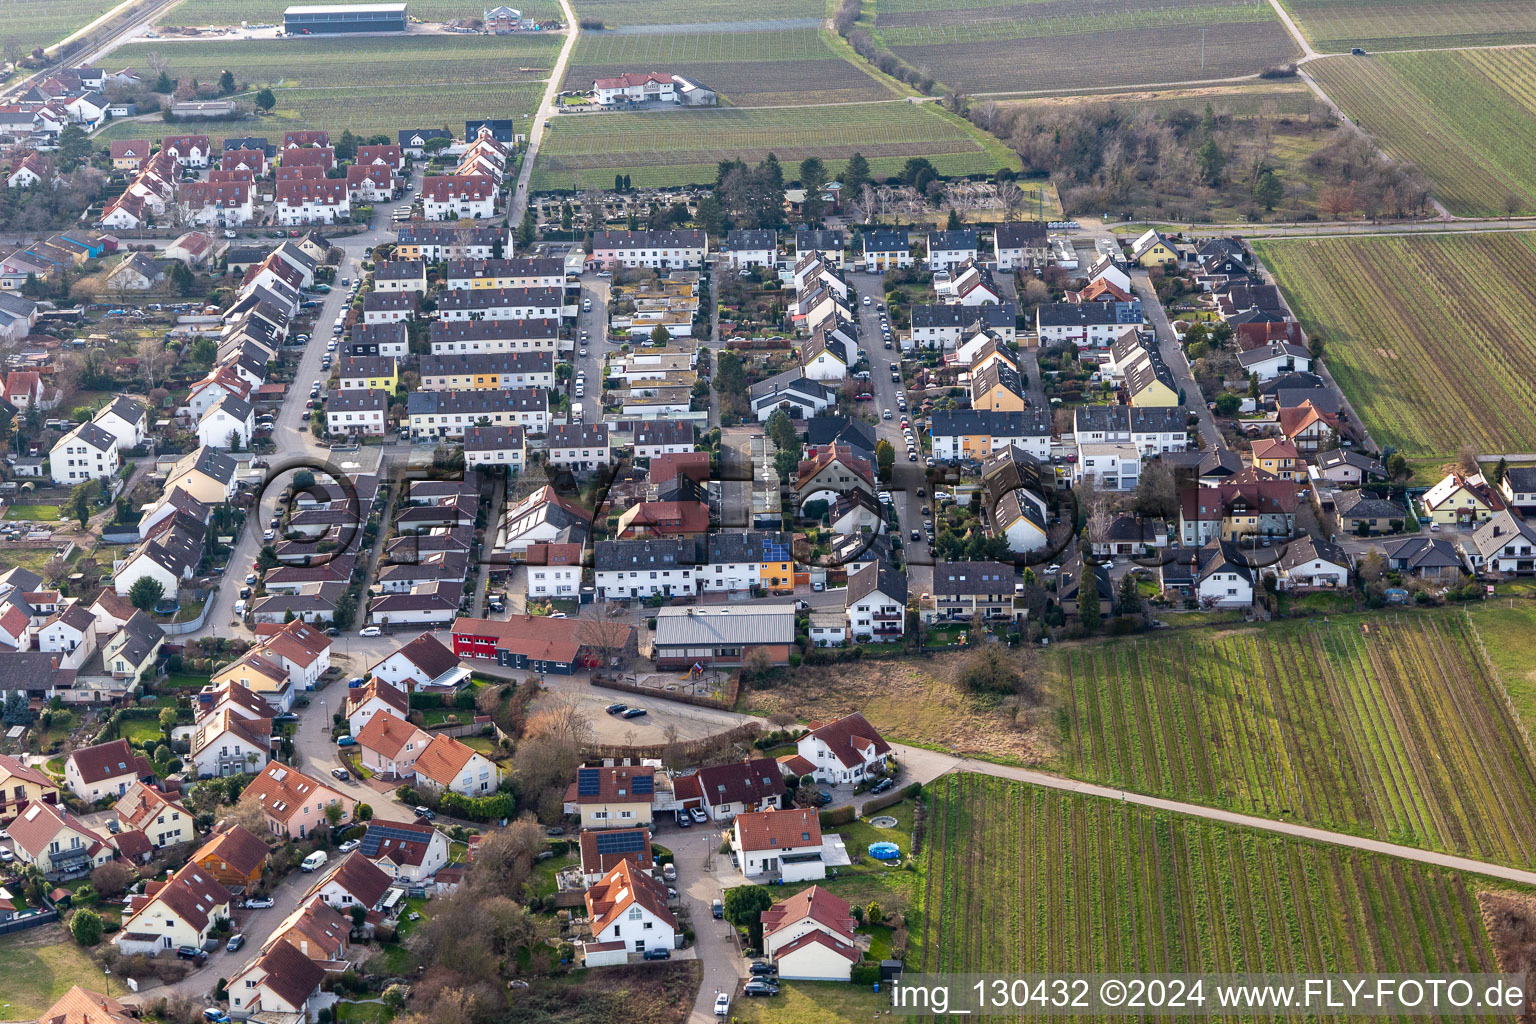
x=519, y=204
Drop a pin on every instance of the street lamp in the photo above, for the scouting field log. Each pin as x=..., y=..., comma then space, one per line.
x=106, y=973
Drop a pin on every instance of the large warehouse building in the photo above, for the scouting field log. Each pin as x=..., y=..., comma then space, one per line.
x=325, y=19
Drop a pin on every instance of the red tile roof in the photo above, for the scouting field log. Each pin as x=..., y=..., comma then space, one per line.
x=622, y=888
x=796, y=828
x=359, y=876
x=443, y=759
x=845, y=736
x=237, y=847
x=386, y=733
x=815, y=903
x=615, y=785
x=109, y=760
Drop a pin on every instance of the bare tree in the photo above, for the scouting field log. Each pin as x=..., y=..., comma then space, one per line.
x=153, y=358
x=12, y=49
x=1011, y=198
x=504, y=860
x=157, y=63
x=607, y=638
x=554, y=741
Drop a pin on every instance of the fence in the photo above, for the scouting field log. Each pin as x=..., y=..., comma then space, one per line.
x=683, y=750
x=732, y=688
x=22, y=923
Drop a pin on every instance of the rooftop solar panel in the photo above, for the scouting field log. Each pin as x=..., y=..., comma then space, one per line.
x=621, y=842
x=588, y=783
x=644, y=784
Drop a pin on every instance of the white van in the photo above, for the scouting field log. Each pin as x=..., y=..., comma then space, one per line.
x=314, y=862
x=240, y=609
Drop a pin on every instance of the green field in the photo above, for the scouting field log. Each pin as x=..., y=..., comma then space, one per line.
x=35, y=23
x=678, y=147
x=746, y=69
x=1038, y=880
x=1338, y=25
x=1467, y=120
x=1056, y=46
x=200, y=13
x=378, y=84
x=1505, y=628
x=1237, y=100
x=1369, y=726
x=1427, y=336
x=614, y=13
x=39, y=966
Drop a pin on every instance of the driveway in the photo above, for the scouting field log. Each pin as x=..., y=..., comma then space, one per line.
x=255, y=925
x=703, y=875
x=1173, y=355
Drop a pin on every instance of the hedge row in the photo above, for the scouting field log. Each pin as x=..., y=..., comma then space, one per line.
x=895, y=796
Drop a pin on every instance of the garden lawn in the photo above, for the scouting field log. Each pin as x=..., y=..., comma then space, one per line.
x=1426, y=335
x=811, y=1002
x=1389, y=726
x=38, y=966
x=372, y=84
x=140, y=730
x=363, y=1013
x=678, y=147
x=34, y=513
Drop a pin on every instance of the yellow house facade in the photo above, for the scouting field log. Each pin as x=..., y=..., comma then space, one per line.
x=778, y=577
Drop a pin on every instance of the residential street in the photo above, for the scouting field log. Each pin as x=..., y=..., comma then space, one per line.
x=1173, y=355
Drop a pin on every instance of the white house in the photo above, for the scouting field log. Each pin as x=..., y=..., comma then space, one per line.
x=810, y=936
x=629, y=906
x=448, y=764
x=553, y=571
x=87, y=452
x=1222, y=576
x=578, y=446
x=105, y=770
x=312, y=201
x=182, y=912
x=372, y=698
x=1019, y=515
x=791, y=391
x=458, y=196
x=357, y=412
x=228, y=743
x=1019, y=244
x=1504, y=544
x=406, y=852
x=636, y=569
x=844, y=751
x=71, y=634
x=228, y=424
x=1309, y=562
x=877, y=603
x=424, y=663
x=1272, y=360
x=390, y=746
x=824, y=358
x=677, y=248
x=496, y=446
x=949, y=249
x=787, y=843
x=125, y=419
x=750, y=247
x=280, y=981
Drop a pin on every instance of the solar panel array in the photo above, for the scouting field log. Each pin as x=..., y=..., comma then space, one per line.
x=774, y=551
x=374, y=838
x=643, y=784
x=630, y=841
x=588, y=782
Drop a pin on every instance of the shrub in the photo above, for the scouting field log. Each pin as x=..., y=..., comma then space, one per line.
x=836, y=816
x=85, y=926
x=864, y=974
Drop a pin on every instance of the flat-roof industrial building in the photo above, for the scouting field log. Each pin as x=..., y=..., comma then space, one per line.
x=326, y=19
x=721, y=635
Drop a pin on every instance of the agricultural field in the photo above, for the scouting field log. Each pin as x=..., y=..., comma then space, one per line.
x=730, y=15
x=1426, y=335
x=1053, y=46
x=678, y=147
x=377, y=84
x=1039, y=880
x=1505, y=628
x=203, y=13
x=746, y=69
x=1466, y=119
x=1283, y=98
x=1338, y=25
x=1384, y=726
x=33, y=23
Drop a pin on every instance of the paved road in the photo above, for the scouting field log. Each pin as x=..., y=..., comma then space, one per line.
x=1173, y=355
x=519, y=204
x=702, y=876
x=907, y=476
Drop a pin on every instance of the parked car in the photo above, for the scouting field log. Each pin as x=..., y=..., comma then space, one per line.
x=823, y=798
x=371, y=631
x=717, y=908
x=554, y=830
x=882, y=785
x=423, y=811
x=350, y=845
x=683, y=821
x=113, y=825
x=258, y=903
x=616, y=709
x=758, y=987
x=669, y=873
x=214, y=1014
x=6, y=856
x=340, y=773
x=658, y=953
x=285, y=717
x=191, y=953
x=346, y=741
x=634, y=712
x=722, y=1003
x=762, y=969
x=235, y=942
x=698, y=815
x=314, y=862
